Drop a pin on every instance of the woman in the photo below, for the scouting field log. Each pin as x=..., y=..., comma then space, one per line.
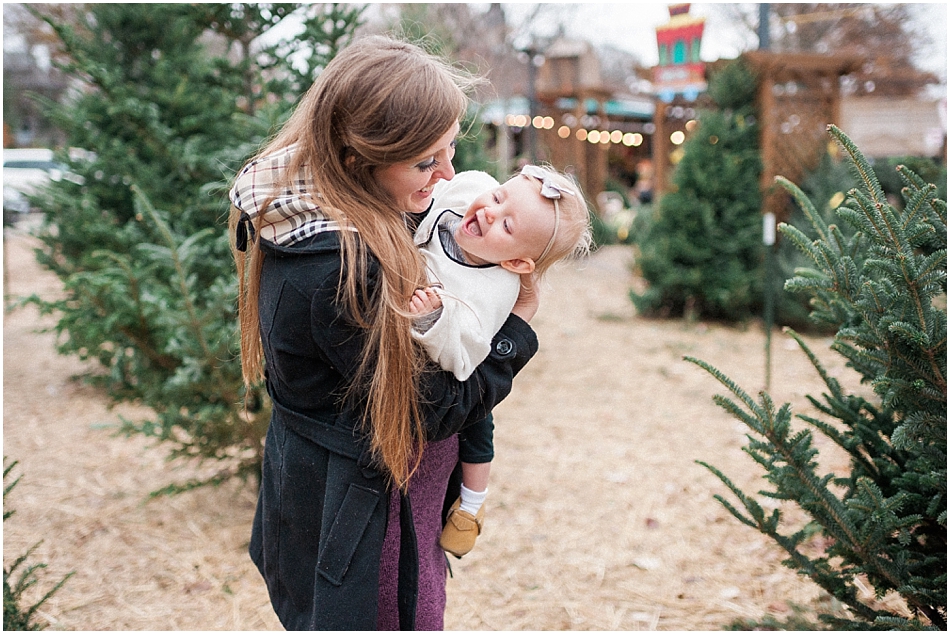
x=362, y=441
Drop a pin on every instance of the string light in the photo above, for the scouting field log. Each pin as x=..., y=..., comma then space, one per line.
x=632, y=139
x=629, y=139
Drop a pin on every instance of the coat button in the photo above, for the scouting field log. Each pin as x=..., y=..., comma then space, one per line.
x=504, y=347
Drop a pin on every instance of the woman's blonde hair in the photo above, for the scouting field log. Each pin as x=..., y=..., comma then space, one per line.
x=380, y=101
x=573, y=237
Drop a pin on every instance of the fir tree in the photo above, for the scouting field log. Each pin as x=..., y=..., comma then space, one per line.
x=701, y=253
x=884, y=289
x=141, y=245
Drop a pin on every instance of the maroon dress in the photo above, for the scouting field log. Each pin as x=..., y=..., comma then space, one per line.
x=427, y=490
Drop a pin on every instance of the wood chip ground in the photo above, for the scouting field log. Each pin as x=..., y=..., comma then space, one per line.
x=598, y=517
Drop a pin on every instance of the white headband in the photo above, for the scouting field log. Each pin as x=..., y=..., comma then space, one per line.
x=551, y=191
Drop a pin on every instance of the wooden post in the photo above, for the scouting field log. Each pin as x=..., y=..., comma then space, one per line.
x=769, y=130
x=661, y=151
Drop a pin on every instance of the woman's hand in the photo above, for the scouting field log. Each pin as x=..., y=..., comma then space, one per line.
x=529, y=299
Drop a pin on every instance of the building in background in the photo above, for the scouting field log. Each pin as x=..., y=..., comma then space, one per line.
x=890, y=127
x=574, y=119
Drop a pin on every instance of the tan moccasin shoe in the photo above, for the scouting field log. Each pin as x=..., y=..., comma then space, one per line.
x=461, y=530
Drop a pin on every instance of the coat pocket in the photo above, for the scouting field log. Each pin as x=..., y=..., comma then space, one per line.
x=345, y=534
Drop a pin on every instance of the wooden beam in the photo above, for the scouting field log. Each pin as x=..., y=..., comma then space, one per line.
x=803, y=62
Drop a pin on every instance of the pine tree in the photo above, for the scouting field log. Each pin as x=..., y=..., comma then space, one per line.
x=141, y=245
x=701, y=253
x=884, y=289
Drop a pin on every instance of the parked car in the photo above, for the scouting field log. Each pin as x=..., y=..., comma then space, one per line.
x=24, y=170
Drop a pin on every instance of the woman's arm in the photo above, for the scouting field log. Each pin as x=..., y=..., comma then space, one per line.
x=447, y=404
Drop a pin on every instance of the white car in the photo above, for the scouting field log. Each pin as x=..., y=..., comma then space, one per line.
x=24, y=170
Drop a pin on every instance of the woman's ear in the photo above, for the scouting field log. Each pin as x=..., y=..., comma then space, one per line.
x=521, y=266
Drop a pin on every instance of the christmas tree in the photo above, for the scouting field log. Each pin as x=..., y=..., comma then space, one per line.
x=174, y=98
x=701, y=253
x=883, y=287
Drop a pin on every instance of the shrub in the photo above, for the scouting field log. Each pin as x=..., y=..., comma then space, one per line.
x=173, y=100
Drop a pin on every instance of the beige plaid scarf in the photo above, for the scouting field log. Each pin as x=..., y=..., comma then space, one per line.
x=286, y=216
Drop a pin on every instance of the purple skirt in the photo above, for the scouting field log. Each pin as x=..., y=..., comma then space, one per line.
x=427, y=490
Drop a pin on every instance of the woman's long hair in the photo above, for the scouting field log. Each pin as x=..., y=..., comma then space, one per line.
x=379, y=102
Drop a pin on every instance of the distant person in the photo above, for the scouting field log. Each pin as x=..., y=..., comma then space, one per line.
x=479, y=239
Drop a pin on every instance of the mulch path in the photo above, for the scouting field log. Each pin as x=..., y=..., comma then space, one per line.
x=598, y=517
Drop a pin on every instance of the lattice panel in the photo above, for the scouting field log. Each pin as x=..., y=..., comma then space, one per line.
x=802, y=109
x=798, y=98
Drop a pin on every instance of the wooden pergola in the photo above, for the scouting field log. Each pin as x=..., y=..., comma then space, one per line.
x=798, y=96
x=587, y=161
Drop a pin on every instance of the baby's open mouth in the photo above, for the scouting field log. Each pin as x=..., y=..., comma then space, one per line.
x=472, y=227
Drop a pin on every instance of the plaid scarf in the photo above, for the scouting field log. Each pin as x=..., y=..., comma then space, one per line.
x=286, y=216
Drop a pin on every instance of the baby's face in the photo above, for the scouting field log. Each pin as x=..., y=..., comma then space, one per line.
x=510, y=222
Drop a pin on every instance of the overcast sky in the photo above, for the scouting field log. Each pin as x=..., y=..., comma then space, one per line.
x=632, y=26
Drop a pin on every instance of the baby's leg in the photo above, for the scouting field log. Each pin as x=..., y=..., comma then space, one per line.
x=474, y=485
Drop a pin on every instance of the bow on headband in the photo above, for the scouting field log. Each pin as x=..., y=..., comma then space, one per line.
x=551, y=191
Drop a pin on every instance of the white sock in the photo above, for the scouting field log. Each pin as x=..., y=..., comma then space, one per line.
x=472, y=500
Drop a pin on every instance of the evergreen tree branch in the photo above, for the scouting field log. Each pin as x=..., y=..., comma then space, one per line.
x=878, y=288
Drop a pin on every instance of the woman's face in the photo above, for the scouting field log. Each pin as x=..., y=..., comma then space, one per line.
x=410, y=182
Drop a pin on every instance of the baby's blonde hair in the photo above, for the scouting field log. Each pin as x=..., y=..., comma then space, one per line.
x=573, y=236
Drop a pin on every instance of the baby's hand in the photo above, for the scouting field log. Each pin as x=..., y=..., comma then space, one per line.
x=424, y=301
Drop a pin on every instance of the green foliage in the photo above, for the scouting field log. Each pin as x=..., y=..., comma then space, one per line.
x=733, y=87
x=931, y=170
x=826, y=185
x=16, y=617
x=470, y=146
x=701, y=253
x=801, y=619
x=883, y=287
x=170, y=113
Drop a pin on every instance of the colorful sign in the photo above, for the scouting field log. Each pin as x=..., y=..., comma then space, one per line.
x=680, y=71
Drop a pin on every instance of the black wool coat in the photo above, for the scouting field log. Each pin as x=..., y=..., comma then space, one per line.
x=322, y=509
